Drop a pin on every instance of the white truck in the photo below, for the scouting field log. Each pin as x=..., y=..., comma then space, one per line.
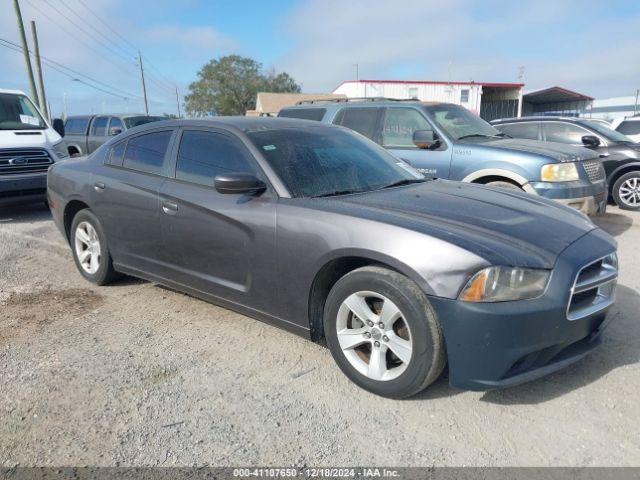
x=28, y=146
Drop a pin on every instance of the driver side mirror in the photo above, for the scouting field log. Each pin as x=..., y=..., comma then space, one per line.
x=239, y=183
x=58, y=126
x=113, y=131
x=590, y=141
x=424, y=139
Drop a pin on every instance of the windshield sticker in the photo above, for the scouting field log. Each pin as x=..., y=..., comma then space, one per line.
x=29, y=120
x=268, y=148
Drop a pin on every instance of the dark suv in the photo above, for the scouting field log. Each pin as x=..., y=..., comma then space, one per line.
x=620, y=154
x=83, y=134
x=447, y=141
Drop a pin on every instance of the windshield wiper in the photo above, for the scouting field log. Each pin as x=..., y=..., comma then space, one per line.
x=481, y=135
x=406, y=181
x=336, y=193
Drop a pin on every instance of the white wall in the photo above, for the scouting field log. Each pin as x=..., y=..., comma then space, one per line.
x=423, y=92
x=611, y=108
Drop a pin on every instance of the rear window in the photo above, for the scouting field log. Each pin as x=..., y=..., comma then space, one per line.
x=131, y=122
x=146, y=153
x=629, y=127
x=304, y=113
x=76, y=126
x=362, y=120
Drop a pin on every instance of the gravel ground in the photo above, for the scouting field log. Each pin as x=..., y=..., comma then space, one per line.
x=137, y=375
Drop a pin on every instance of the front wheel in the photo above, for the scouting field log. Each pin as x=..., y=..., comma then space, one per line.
x=626, y=191
x=383, y=333
x=89, y=247
x=503, y=184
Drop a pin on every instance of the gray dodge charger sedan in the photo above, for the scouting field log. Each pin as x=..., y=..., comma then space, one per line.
x=317, y=229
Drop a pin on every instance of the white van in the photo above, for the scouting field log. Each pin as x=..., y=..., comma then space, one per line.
x=28, y=146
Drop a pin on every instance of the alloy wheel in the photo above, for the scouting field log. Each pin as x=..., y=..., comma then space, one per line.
x=373, y=336
x=629, y=192
x=87, y=247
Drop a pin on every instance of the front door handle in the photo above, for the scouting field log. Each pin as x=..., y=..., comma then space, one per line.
x=170, y=208
x=99, y=186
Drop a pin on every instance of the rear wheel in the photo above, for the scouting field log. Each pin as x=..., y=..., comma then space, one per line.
x=626, y=191
x=89, y=247
x=383, y=332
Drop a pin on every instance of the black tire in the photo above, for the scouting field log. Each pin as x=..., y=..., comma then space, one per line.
x=105, y=273
x=502, y=184
x=428, y=357
x=617, y=197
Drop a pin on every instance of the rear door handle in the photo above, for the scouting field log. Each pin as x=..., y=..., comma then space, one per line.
x=170, y=208
x=99, y=186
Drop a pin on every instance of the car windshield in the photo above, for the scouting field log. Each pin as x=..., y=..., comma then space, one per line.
x=18, y=113
x=608, y=133
x=328, y=161
x=458, y=122
x=131, y=122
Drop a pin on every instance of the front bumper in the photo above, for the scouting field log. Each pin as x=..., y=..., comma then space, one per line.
x=497, y=345
x=24, y=188
x=589, y=198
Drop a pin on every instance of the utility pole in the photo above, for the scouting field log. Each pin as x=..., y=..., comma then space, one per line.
x=178, y=103
x=64, y=104
x=144, y=87
x=357, y=72
x=25, y=50
x=36, y=51
x=635, y=107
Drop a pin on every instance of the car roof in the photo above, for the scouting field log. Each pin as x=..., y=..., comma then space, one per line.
x=121, y=115
x=539, y=118
x=244, y=124
x=360, y=102
x=13, y=92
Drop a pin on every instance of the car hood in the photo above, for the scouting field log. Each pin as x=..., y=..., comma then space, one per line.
x=28, y=138
x=504, y=227
x=558, y=151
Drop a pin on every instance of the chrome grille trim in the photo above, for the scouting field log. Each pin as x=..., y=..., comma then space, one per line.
x=33, y=160
x=594, y=288
x=594, y=169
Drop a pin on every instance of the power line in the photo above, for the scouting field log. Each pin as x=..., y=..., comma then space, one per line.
x=94, y=29
x=55, y=65
x=107, y=25
x=89, y=34
x=90, y=47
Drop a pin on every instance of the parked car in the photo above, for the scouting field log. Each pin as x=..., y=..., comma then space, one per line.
x=83, y=134
x=318, y=230
x=620, y=155
x=28, y=146
x=443, y=140
x=629, y=126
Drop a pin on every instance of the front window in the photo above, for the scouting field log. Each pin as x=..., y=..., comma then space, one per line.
x=606, y=132
x=459, y=123
x=316, y=162
x=399, y=125
x=18, y=113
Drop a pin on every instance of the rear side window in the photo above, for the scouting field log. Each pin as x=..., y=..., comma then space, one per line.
x=304, y=113
x=527, y=130
x=99, y=127
x=629, y=127
x=362, y=120
x=146, y=153
x=203, y=155
x=116, y=154
x=77, y=126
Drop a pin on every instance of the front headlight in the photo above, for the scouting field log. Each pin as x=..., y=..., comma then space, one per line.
x=60, y=149
x=503, y=284
x=559, y=172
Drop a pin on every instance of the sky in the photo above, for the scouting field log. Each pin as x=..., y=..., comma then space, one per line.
x=589, y=46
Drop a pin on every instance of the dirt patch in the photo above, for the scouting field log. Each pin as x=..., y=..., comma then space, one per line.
x=22, y=313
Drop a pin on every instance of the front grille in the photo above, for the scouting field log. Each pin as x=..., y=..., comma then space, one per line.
x=594, y=288
x=24, y=160
x=594, y=169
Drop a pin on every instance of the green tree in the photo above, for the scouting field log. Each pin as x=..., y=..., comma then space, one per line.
x=228, y=86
